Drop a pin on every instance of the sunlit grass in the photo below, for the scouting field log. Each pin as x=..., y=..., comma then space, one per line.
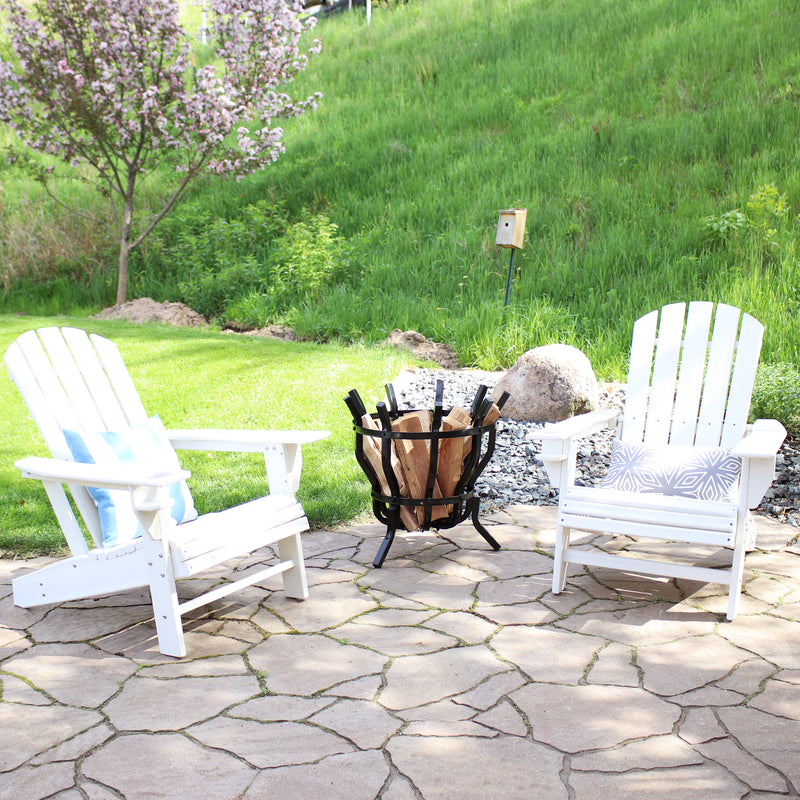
x=620, y=126
x=206, y=379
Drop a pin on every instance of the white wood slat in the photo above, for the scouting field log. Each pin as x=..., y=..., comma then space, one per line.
x=692, y=372
x=665, y=373
x=638, y=386
x=246, y=541
x=748, y=353
x=97, y=382
x=638, y=530
x=718, y=376
x=191, y=539
x=70, y=377
x=645, y=567
x=235, y=586
x=120, y=379
x=43, y=393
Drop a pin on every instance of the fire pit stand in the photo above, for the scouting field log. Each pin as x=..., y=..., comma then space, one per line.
x=424, y=478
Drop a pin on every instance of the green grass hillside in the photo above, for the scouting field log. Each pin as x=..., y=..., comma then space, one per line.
x=654, y=144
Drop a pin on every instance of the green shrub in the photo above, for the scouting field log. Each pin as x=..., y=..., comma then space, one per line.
x=777, y=395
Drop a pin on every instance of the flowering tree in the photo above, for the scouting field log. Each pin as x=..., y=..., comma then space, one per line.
x=108, y=87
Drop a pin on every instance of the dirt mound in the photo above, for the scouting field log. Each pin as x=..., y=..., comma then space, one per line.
x=441, y=354
x=282, y=332
x=146, y=309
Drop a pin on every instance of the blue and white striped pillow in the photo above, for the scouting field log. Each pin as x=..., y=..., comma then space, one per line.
x=146, y=446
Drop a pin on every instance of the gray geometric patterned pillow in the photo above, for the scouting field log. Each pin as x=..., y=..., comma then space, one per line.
x=703, y=473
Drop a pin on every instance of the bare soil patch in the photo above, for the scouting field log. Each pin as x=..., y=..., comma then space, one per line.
x=145, y=309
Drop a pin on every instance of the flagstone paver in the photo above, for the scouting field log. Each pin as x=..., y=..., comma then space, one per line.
x=352, y=776
x=143, y=767
x=455, y=767
x=152, y=704
x=305, y=664
x=271, y=744
x=703, y=659
x=452, y=672
x=706, y=781
x=577, y=718
x=545, y=654
x=402, y=640
x=59, y=670
x=365, y=723
x=416, y=680
x=34, y=783
x=657, y=752
x=43, y=727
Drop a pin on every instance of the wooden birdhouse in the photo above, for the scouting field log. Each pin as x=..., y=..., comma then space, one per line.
x=511, y=227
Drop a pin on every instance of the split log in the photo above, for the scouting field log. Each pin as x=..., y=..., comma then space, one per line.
x=415, y=460
x=372, y=451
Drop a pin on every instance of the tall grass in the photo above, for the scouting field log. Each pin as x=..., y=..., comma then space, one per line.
x=620, y=126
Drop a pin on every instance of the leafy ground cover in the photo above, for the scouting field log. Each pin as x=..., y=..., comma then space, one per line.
x=194, y=378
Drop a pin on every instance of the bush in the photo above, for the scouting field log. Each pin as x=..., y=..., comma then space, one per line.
x=776, y=395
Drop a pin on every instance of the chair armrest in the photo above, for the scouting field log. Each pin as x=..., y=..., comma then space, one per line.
x=101, y=476
x=281, y=449
x=558, y=452
x=241, y=441
x=581, y=425
x=762, y=441
x=758, y=450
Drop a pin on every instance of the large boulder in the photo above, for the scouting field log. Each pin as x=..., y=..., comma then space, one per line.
x=548, y=384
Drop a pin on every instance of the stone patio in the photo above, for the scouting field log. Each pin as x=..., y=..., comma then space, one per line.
x=452, y=672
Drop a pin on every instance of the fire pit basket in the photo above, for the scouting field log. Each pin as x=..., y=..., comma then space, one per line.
x=422, y=465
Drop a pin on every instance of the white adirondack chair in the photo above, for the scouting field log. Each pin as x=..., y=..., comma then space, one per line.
x=72, y=381
x=688, y=388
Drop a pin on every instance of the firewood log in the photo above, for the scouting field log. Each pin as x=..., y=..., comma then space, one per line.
x=372, y=451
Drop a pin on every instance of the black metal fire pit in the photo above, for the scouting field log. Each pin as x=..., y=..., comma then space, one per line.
x=423, y=476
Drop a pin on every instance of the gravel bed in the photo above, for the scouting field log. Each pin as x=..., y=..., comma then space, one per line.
x=514, y=475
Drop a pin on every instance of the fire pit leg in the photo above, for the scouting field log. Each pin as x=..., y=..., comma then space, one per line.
x=384, y=548
x=481, y=530
x=386, y=543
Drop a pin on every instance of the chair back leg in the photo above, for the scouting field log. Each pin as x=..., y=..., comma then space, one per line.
x=295, y=584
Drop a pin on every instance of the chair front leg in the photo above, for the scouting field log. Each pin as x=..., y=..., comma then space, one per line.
x=152, y=509
x=559, y=563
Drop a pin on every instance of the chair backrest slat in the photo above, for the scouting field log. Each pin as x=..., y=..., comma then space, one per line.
x=69, y=381
x=690, y=379
x=51, y=409
x=685, y=387
x=108, y=411
x=638, y=387
x=743, y=379
x=721, y=351
x=664, y=375
x=124, y=390
x=69, y=375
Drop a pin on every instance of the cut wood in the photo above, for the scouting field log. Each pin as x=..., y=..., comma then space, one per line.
x=372, y=451
x=491, y=417
x=451, y=451
x=415, y=460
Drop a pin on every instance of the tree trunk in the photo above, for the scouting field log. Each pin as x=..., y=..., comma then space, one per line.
x=124, y=251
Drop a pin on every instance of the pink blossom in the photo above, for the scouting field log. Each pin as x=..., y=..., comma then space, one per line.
x=125, y=100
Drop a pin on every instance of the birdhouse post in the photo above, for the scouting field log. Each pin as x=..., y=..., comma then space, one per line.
x=510, y=233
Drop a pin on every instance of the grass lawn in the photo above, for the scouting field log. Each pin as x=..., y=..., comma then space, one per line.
x=207, y=379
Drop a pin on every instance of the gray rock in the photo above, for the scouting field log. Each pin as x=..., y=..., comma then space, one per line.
x=548, y=384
